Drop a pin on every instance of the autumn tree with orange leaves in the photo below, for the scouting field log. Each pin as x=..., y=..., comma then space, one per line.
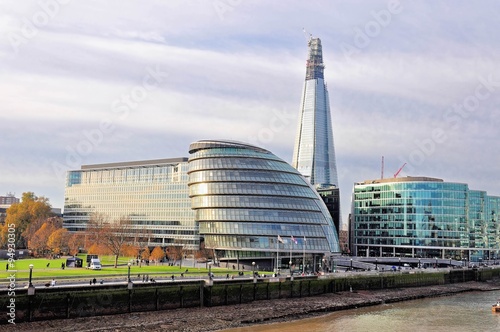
x=157, y=254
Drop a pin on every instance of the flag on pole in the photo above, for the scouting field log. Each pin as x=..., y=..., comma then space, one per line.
x=280, y=239
x=294, y=240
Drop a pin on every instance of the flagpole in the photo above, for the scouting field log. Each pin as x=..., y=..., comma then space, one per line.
x=291, y=245
x=304, y=257
x=277, y=253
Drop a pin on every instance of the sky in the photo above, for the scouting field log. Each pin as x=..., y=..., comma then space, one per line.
x=84, y=82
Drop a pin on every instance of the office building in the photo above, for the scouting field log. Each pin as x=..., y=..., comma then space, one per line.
x=5, y=203
x=314, y=152
x=247, y=200
x=152, y=194
x=424, y=217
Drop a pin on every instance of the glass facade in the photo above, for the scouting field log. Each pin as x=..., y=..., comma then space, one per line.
x=153, y=194
x=314, y=152
x=423, y=217
x=245, y=197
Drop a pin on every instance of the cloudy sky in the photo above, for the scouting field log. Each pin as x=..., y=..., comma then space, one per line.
x=87, y=82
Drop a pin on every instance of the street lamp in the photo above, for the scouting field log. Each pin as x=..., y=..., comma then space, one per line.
x=400, y=263
x=351, y=264
x=419, y=264
x=253, y=272
x=210, y=270
x=376, y=263
x=129, y=272
x=130, y=284
x=31, y=288
x=436, y=263
x=31, y=274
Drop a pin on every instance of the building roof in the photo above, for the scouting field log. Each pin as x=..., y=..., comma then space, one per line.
x=139, y=163
x=404, y=179
x=213, y=144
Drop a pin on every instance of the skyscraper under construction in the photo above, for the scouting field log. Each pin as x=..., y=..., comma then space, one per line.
x=314, y=153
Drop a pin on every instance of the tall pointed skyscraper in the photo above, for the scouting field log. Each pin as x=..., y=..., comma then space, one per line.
x=314, y=153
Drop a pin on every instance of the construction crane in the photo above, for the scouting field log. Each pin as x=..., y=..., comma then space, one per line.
x=399, y=170
x=307, y=35
x=382, y=169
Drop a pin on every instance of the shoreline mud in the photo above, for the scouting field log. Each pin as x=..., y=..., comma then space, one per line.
x=245, y=315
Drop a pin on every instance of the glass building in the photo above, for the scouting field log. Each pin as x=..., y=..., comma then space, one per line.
x=252, y=205
x=314, y=153
x=423, y=217
x=152, y=194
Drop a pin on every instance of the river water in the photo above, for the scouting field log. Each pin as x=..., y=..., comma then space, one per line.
x=466, y=312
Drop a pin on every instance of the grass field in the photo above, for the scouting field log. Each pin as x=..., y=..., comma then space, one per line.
x=43, y=272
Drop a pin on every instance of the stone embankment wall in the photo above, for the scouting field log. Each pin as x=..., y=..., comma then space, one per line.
x=59, y=303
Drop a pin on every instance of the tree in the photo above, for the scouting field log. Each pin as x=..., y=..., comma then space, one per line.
x=115, y=237
x=145, y=254
x=75, y=242
x=176, y=252
x=131, y=250
x=39, y=243
x=58, y=241
x=157, y=254
x=93, y=231
x=21, y=215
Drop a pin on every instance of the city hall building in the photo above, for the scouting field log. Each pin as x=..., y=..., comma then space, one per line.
x=423, y=217
x=252, y=205
x=240, y=200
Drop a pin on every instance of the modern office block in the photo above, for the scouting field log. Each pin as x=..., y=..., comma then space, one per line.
x=424, y=217
x=247, y=201
x=152, y=194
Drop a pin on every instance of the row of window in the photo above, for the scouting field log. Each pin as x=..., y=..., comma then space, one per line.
x=428, y=204
x=250, y=188
x=237, y=163
x=252, y=215
x=286, y=231
x=263, y=202
x=245, y=176
x=265, y=243
x=231, y=152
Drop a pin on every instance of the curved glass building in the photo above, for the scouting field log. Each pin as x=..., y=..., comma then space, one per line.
x=251, y=204
x=424, y=217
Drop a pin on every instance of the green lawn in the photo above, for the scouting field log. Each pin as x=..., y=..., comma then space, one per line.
x=42, y=272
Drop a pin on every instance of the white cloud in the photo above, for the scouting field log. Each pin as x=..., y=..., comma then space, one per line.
x=229, y=75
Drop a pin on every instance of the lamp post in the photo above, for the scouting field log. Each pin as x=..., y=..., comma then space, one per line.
x=400, y=263
x=210, y=270
x=376, y=263
x=253, y=270
x=31, y=275
x=436, y=263
x=351, y=264
x=130, y=284
x=419, y=264
x=31, y=288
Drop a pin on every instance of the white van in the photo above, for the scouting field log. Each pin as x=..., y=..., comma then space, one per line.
x=95, y=264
